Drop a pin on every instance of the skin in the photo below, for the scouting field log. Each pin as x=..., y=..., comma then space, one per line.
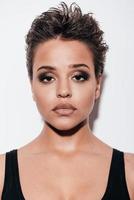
x=68, y=161
x=64, y=83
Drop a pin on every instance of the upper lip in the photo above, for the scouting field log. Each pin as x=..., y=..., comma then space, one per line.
x=64, y=106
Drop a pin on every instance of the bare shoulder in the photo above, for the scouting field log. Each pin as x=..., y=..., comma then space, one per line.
x=129, y=168
x=2, y=171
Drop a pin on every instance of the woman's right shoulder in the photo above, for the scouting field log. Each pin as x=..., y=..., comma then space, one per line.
x=2, y=171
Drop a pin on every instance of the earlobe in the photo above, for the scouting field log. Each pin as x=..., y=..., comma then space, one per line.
x=97, y=93
x=98, y=88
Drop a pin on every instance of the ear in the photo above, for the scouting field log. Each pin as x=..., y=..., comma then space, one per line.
x=98, y=87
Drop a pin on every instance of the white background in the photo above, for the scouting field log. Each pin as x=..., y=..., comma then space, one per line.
x=20, y=121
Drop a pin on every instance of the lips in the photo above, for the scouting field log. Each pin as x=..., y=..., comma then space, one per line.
x=64, y=109
x=64, y=106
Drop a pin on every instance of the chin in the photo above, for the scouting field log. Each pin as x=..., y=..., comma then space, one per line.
x=65, y=127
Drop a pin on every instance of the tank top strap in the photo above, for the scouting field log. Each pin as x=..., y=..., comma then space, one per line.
x=117, y=186
x=11, y=188
x=8, y=180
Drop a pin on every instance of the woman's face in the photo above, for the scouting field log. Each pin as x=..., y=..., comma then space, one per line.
x=66, y=83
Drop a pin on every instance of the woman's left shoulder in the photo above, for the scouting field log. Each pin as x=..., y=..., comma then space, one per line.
x=129, y=171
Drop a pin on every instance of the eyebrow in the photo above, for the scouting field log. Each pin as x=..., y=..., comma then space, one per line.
x=71, y=66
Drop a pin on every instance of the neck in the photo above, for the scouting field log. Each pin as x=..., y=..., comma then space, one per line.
x=68, y=141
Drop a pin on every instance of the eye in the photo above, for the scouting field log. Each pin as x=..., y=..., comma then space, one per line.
x=81, y=77
x=44, y=78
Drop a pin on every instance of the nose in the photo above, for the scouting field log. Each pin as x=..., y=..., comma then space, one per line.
x=64, y=89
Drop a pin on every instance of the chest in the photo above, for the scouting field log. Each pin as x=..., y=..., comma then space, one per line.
x=69, y=179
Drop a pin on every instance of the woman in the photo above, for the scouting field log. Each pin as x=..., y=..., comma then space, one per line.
x=65, y=61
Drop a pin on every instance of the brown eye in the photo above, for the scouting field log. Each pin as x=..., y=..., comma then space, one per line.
x=81, y=77
x=44, y=78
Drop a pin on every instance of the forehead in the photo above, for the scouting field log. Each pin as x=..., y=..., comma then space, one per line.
x=56, y=52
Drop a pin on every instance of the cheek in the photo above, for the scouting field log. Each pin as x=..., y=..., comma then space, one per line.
x=43, y=94
x=85, y=100
x=44, y=99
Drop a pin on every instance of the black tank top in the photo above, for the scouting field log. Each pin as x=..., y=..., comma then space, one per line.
x=116, y=186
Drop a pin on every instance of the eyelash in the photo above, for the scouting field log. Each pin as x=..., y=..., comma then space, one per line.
x=83, y=74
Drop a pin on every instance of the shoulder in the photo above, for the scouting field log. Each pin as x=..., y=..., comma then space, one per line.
x=2, y=171
x=129, y=169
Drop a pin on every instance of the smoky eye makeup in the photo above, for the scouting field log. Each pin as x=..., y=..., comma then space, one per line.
x=82, y=76
x=43, y=76
x=79, y=76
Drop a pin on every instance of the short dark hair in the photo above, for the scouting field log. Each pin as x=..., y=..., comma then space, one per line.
x=68, y=24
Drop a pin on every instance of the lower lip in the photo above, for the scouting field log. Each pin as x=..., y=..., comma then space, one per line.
x=64, y=111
